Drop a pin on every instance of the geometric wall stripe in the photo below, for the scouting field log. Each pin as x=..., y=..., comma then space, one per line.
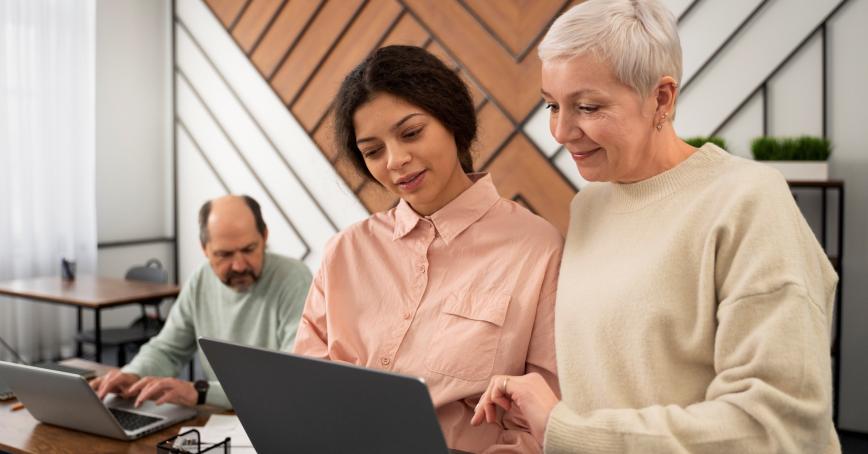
x=304, y=56
x=755, y=55
x=228, y=116
x=302, y=50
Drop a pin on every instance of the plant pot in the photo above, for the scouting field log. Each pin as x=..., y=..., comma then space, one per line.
x=802, y=170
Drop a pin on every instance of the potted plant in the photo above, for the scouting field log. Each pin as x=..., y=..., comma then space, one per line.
x=802, y=158
x=698, y=141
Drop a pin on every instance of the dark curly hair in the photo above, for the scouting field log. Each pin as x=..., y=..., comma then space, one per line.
x=416, y=76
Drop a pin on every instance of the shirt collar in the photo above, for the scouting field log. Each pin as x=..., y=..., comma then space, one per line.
x=454, y=218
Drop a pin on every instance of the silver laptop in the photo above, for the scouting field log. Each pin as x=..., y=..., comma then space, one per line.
x=290, y=403
x=66, y=400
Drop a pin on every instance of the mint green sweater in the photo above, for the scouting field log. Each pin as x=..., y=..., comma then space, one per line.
x=265, y=316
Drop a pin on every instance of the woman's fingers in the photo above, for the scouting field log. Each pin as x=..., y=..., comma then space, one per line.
x=492, y=398
x=479, y=412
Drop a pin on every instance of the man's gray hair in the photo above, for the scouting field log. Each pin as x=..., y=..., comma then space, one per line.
x=638, y=38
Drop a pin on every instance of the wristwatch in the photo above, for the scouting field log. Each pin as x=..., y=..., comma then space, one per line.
x=201, y=388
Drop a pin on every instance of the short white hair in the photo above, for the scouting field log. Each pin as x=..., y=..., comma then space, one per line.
x=638, y=38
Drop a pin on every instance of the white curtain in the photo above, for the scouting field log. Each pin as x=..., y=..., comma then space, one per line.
x=47, y=162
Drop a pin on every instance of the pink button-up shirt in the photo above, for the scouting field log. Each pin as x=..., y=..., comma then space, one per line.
x=454, y=298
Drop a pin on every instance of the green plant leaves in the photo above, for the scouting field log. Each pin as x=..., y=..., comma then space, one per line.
x=804, y=148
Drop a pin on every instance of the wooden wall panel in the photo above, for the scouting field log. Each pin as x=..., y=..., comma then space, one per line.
x=256, y=19
x=366, y=32
x=516, y=23
x=408, y=32
x=326, y=29
x=306, y=47
x=283, y=35
x=493, y=129
x=520, y=171
x=227, y=11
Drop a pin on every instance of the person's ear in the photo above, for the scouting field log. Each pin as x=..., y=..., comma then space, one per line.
x=265, y=235
x=665, y=93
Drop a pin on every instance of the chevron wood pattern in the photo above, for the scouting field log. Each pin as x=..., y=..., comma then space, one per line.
x=303, y=48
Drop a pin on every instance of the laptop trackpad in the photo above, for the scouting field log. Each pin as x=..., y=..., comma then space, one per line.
x=148, y=407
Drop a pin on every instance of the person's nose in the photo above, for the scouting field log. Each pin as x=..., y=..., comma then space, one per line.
x=238, y=262
x=398, y=156
x=565, y=129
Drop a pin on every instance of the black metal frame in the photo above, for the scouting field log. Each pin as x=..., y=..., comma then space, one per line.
x=134, y=242
x=97, y=333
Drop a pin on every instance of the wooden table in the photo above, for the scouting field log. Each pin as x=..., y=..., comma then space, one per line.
x=87, y=292
x=20, y=433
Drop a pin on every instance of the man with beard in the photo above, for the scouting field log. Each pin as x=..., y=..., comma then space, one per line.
x=243, y=295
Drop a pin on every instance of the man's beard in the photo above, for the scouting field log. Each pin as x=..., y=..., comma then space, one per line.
x=240, y=281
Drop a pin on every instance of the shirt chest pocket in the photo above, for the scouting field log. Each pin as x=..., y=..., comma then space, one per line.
x=466, y=342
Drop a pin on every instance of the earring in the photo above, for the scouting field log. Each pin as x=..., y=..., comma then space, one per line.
x=662, y=120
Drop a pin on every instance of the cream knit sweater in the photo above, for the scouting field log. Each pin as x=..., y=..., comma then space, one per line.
x=693, y=316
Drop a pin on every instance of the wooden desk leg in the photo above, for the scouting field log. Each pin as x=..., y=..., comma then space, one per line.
x=78, y=351
x=97, y=333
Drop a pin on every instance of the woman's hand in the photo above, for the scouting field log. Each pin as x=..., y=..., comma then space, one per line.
x=527, y=397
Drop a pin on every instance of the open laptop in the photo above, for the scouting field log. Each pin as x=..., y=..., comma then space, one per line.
x=66, y=400
x=290, y=403
x=6, y=393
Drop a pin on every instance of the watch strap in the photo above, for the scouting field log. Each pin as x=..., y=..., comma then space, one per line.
x=202, y=391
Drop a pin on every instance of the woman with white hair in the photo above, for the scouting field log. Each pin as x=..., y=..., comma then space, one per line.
x=695, y=304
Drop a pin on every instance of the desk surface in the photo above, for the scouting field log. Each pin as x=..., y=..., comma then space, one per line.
x=87, y=291
x=21, y=433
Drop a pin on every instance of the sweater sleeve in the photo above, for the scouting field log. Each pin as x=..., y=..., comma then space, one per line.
x=167, y=352
x=772, y=386
x=293, y=305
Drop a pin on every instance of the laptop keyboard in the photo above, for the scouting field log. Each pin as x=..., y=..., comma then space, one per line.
x=132, y=421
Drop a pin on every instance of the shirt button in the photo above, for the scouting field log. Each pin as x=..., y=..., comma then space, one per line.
x=385, y=361
x=421, y=268
x=407, y=316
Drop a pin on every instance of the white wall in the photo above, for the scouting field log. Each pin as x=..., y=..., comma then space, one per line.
x=134, y=180
x=848, y=88
x=235, y=135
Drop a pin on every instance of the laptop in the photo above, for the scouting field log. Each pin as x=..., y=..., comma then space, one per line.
x=290, y=403
x=7, y=394
x=65, y=399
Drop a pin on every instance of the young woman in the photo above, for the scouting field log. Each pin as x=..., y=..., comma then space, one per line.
x=454, y=284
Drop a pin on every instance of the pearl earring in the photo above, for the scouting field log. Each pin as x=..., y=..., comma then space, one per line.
x=662, y=120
